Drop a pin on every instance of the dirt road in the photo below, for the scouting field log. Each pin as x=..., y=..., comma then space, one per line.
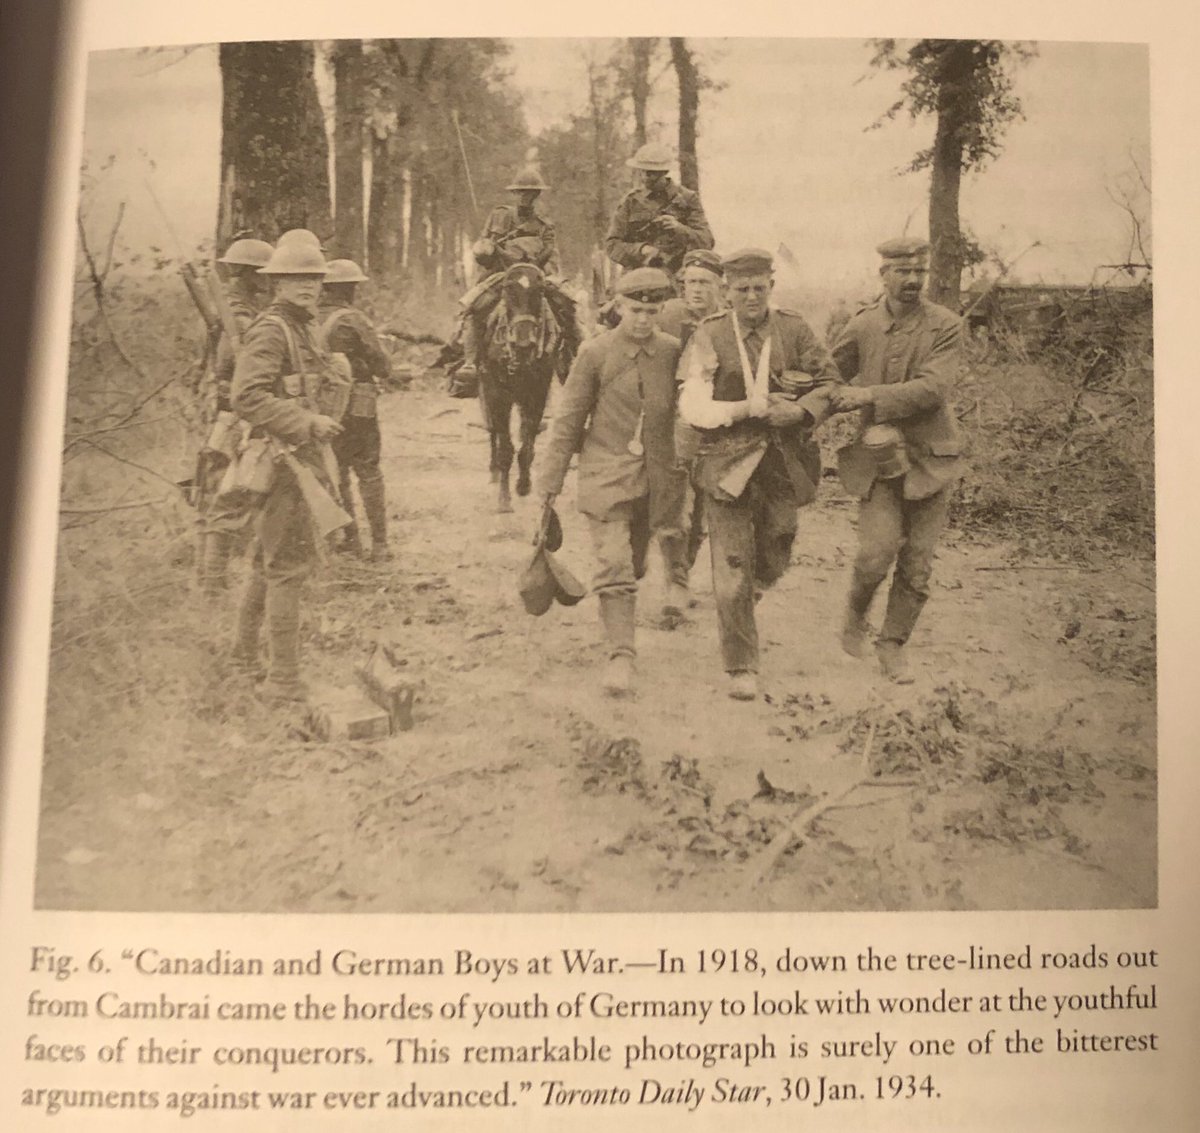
x=1017, y=772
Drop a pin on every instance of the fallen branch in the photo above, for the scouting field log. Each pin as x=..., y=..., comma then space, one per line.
x=781, y=843
x=110, y=507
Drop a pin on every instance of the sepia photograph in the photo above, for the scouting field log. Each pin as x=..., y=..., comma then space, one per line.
x=607, y=475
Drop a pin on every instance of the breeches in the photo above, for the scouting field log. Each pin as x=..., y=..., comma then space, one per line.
x=358, y=448
x=286, y=551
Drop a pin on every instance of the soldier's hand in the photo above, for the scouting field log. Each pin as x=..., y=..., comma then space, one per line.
x=651, y=256
x=782, y=411
x=757, y=407
x=845, y=399
x=325, y=428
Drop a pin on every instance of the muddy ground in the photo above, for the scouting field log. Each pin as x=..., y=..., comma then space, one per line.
x=1017, y=772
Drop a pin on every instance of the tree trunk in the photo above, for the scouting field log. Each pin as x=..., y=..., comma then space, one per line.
x=385, y=222
x=600, y=173
x=639, y=85
x=274, y=151
x=689, y=112
x=348, y=148
x=945, y=235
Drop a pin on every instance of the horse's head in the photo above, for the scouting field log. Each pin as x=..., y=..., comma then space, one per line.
x=522, y=290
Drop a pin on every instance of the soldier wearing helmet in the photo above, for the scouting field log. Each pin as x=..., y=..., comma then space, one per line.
x=657, y=221
x=345, y=329
x=221, y=526
x=278, y=388
x=513, y=234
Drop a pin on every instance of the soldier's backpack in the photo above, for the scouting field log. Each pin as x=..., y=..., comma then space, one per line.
x=363, y=395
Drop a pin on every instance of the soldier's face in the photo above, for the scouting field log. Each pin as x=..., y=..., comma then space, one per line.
x=637, y=317
x=302, y=290
x=701, y=290
x=526, y=197
x=749, y=295
x=652, y=179
x=904, y=280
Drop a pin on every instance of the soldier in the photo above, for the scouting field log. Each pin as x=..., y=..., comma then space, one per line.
x=346, y=330
x=755, y=382
x=619, y=401
x=513, y=235
x=701, y=285
x=902, y=355
x=278, y=385
x=219, y=525
x=657, y=222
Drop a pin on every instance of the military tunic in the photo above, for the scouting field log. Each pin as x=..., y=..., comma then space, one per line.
x=634, y=224
x=910, y=362
x=346, y=330
x=755, y=477
x=622, y=385
x=268, y=394
x=504, y=226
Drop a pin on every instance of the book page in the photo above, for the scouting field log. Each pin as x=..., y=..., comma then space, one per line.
x=412, y=721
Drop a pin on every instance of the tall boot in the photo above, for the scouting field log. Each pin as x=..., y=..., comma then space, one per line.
x=904, y=606
x=617, y=613
x=283, y=642
x=251, y=610
x=374, y=502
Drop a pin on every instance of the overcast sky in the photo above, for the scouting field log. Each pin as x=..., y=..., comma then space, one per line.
x=784, y=151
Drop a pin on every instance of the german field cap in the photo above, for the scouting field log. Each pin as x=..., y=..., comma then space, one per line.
x=904, y=248
x=537, y=585
x=251, y=253
x=703, y=258
x=646, y=285
x=345, y=271
x=749, y=261
x=568, y=590
x=653, y=156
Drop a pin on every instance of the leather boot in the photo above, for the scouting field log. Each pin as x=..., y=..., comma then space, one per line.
x=892, y=662
x=351, y=543
x=252, y=608
x=374, y=502
x=283, y=643
x=854, y=632
x=618, y=612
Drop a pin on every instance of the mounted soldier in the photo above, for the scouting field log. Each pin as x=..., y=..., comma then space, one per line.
x=513, y=234
x=657, y=222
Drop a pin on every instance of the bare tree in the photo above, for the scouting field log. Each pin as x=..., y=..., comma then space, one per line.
x=690, y=81
x=348, y=147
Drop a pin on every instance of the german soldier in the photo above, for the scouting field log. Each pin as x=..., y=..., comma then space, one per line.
x=220, y=526
x=657, y=221
x=618, y=410
x=901, y=355
x=754, y=382
x=513, y=234
x=701, y=286
x=344, y=329
x=278, y=387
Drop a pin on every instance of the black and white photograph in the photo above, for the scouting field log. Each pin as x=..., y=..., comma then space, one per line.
x=612, y=475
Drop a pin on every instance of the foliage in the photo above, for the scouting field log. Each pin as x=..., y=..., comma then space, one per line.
x=972, y=77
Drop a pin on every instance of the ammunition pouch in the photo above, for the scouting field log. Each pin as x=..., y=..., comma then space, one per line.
x=363, y=399
x=250, y=476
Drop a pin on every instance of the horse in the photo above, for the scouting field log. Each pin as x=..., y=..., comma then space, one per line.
x=523, y=346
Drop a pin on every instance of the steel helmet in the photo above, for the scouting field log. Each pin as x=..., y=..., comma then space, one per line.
x=652, y=156
x=529, y=178
x=345, y=271
x=298, y=236
x=251, y=253
x=295, y=258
